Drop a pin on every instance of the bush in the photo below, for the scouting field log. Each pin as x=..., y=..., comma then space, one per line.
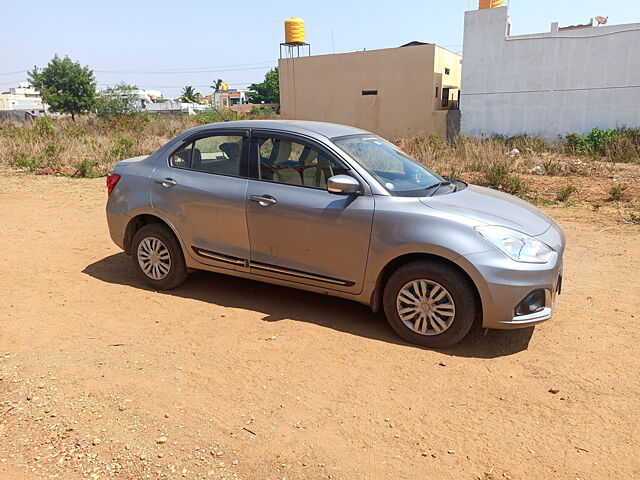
x=621, y=144
x=515, y=185
x=617, y=192
x=126, y=123
x=23, y=160
x=88, y=169
x=119, y=100
x=214, y=115
x=498, y=175
x=124, y=147
x=552, y=168
x=564, y=194
x=43, y=126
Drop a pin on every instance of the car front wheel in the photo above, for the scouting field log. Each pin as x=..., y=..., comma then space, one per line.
x=157, y=257
x=429, y=303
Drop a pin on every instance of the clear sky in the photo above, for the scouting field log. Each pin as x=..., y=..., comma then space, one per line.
x=140, y=41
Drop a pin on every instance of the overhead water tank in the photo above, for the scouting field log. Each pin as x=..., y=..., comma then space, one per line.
x=490, y=3
x=294, y=31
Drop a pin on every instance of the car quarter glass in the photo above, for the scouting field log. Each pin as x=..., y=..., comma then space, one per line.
x=182, y=157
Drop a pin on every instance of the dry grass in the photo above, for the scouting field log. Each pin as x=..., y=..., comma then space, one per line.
x=539, y=172
x=88, y=147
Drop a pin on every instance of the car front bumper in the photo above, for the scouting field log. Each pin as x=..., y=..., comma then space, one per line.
x=503, y=283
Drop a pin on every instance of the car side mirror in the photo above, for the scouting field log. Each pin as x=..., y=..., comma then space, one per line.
x=343, y=185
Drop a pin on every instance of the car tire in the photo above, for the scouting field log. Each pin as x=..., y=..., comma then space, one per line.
x=425, y=275
x=162, y=247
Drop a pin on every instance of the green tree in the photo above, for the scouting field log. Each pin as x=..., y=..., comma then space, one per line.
x=267, y=91
x=119, y=100
x=66, y=86
x=189, y=95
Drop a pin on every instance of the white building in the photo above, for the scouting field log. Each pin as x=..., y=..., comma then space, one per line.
x=549, y=84
x=23, y=98
x=173, y=107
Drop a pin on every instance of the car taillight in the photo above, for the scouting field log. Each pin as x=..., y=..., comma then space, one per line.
x=112, y=179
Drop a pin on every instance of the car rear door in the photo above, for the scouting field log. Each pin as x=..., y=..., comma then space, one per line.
x=298, y=230
x=201, y=188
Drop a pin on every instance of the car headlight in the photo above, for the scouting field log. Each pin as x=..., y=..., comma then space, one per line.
x=516, y=245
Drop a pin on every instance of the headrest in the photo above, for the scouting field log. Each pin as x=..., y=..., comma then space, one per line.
x=231, y=150
x=311, y=158
x=284, y=151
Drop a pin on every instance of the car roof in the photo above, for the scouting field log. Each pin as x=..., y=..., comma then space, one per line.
x=329, y=130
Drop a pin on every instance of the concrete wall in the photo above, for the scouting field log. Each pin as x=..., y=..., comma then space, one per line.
x=547, y=84
x=329, y=88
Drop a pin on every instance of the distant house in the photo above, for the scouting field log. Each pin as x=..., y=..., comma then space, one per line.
x=569, y=79
x=230, y=97
x=174, y=107
x=392, y=92
x=23, y=98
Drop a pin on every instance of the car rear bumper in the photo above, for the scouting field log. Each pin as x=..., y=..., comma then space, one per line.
x=117, y=226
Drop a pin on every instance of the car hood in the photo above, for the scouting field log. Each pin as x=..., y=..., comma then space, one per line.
x=492, y=207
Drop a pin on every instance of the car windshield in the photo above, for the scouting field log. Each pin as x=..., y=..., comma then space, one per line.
x=399, y=173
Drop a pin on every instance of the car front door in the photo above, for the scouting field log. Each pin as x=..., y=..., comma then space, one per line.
x=298, y=230
x=201, y=188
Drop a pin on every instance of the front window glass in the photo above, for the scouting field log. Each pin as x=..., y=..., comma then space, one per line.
x=395, y=170
x=284, y=161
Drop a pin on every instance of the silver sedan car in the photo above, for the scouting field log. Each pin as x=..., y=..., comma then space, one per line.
x=337, y=210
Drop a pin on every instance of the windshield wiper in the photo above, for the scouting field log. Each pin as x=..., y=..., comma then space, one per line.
x=436, y=186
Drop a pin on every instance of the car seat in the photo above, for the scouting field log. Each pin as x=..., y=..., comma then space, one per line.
x=196, y=159
x=286, y=171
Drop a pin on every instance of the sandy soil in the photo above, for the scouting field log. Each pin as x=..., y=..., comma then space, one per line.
x=227, y=378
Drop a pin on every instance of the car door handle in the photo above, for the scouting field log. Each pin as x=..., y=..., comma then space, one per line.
x=166, y=182
x=263, y=200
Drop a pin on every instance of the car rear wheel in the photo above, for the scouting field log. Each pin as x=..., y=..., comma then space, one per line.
x=429, y=303
x=157, y=257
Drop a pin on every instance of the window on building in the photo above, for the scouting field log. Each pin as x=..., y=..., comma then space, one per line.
x=369, y=92
x=447, y=71
x=437, y=92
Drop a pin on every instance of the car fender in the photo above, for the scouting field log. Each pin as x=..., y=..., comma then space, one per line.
x=146, y=210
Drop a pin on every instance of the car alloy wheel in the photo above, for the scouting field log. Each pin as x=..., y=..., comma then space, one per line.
x=154, y=258
x=426, y=307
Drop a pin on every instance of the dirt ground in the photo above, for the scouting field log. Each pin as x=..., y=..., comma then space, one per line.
x=226, y=378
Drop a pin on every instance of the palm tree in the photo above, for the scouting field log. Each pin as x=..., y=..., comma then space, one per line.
x=189, y=95
x=216, y=86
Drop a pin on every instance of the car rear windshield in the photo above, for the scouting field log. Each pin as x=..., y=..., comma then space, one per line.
x=400, y=174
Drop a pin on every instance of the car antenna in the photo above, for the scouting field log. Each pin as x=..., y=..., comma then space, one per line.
x=218, y=112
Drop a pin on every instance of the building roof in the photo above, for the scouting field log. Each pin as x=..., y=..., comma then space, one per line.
x=414, y=43
x=328, y=130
